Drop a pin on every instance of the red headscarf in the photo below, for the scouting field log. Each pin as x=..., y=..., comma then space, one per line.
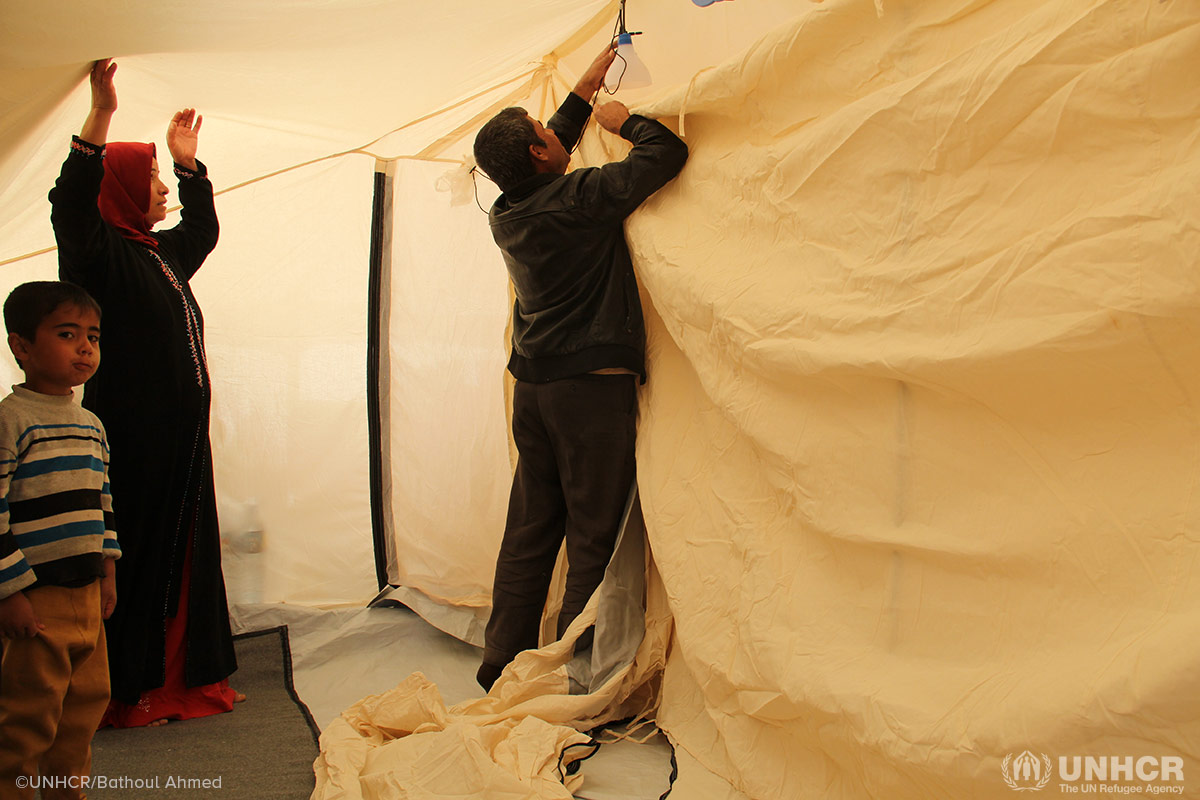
x=125, y=191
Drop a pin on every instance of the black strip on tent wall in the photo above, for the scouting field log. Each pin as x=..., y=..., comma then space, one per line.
x=375, y=341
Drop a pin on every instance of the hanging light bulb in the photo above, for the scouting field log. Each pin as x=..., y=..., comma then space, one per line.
x=627, y=70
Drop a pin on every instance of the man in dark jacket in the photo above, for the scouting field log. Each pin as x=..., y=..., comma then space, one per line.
x=578, y=348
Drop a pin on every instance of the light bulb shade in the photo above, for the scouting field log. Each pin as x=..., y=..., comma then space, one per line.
x=628, y=71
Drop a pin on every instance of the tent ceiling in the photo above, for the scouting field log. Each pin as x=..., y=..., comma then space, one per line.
x=284, y=86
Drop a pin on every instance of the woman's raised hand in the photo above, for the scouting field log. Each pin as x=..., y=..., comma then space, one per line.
x=104, y=93
x=183, y=137
x=104, y=102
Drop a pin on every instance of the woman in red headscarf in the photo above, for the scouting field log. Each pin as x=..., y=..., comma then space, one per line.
x=169, y=641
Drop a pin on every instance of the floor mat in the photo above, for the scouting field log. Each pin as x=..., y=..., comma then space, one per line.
x=263, y=749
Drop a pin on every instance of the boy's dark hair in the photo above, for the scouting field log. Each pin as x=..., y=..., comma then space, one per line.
x=30, y=303
x=502, y=147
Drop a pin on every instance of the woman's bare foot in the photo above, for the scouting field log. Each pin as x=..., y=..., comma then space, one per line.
x=156, y=723
x=238, y=697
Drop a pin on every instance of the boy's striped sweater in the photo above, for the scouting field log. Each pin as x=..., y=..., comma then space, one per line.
x=56, y=520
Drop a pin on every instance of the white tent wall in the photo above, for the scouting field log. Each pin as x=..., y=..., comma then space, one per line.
x=284, y=297
x=450, y=466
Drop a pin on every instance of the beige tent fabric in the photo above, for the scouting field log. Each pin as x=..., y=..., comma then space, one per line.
x=405, y=743
x=920, y=453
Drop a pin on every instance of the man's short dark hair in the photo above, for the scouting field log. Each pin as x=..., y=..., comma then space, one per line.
x=502, y=147
x=30, y=303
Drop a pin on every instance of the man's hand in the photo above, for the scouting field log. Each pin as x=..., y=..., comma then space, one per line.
x=183, y=137
x=589, y=84
x=611, y=116
x=108, y=588
x=17, y=618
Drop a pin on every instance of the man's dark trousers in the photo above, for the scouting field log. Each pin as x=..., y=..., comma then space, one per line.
x=575, y=467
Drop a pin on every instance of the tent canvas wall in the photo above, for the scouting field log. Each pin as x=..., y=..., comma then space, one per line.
x=919, y=456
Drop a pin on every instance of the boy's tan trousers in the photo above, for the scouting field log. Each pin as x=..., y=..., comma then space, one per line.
x=53, y=692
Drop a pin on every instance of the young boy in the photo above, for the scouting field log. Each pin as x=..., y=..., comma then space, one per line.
x=57, y=547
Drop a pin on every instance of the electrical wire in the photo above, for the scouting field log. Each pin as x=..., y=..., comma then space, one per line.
x=618, y=29
x=474, y=185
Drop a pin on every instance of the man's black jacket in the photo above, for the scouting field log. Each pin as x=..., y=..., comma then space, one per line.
x=563, y=239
